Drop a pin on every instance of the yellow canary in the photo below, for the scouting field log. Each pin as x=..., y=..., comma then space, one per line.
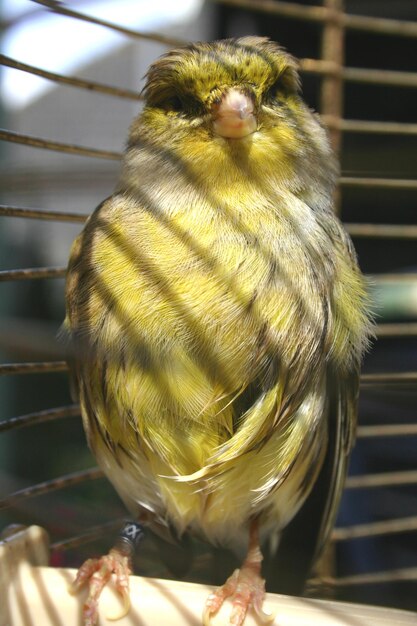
x=217, y=313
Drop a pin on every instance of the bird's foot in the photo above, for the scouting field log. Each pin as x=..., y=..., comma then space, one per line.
x=96, y=573
x=246, y=588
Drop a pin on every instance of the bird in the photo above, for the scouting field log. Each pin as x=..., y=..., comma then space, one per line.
x=217, y=318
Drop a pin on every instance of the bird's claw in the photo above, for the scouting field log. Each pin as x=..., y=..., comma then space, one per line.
x=97, y=573
x=246, y=589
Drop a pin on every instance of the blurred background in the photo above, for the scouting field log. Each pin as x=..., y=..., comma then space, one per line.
x=60, y=157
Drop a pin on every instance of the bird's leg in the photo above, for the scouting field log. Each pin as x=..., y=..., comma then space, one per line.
x=97, y=572
x=245, y=586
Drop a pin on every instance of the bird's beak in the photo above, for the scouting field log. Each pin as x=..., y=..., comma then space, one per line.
x=234, y=116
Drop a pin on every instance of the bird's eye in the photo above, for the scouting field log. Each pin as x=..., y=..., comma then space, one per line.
x=286, y=83
x=270, y=95
x=274, y=91
x=185, y=104
x=174, y=103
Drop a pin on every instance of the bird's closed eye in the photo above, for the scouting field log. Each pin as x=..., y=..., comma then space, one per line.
x=286, y=83
x=174, y=103
x=186, y=104
x=274, y=91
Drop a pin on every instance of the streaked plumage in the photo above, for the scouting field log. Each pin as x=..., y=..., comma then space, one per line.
x=215, y=305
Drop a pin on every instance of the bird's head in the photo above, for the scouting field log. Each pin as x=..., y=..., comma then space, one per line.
x=225, y=87
x=231, y=108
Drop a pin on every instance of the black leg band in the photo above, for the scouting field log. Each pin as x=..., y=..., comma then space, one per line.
x=129, y=537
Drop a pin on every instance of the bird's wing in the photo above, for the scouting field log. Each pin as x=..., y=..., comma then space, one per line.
x=304, y=539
